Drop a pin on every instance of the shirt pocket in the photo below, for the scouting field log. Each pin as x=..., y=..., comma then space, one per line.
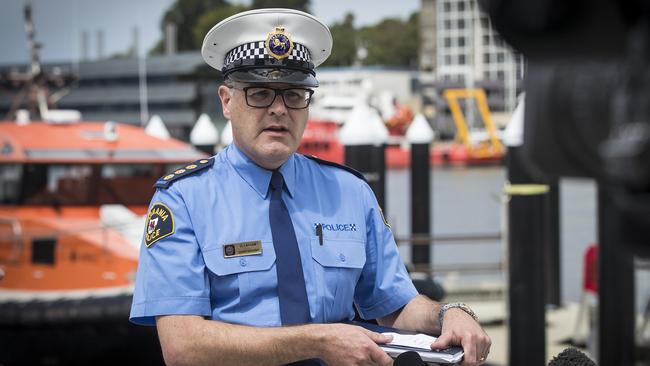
x=240, y=280
x=338, y=265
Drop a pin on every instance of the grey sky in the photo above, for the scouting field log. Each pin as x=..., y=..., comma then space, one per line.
x=59, y=23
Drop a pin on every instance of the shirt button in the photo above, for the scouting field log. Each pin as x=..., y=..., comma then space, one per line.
x=342, y=257
x=243, y=262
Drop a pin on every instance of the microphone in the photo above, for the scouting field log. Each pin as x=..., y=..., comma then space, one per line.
x=571, y=357
x=409, y=358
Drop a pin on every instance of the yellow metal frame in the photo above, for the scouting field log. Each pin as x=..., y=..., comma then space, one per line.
x=452, y=96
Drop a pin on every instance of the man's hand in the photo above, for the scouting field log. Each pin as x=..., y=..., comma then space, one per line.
x=343, y=344
x=460, y=329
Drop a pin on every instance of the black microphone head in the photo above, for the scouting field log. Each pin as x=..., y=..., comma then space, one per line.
x=409, y=358
x=571, y=357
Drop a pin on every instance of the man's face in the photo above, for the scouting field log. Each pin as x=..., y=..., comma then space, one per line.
x=267, y=135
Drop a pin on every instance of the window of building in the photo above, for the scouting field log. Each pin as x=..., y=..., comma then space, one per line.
x=447, y=60
x=447, y=24
x=486, y=75
x=461, y=59
x=447, y=42
x=461, y=6
x=461, y=23
x=501, y=75
x=461, y=41
x=486, y=57
x=446, y=7
x=500, y=57
x=486, y=40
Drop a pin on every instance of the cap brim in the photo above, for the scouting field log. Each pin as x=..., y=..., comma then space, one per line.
x=273, y=75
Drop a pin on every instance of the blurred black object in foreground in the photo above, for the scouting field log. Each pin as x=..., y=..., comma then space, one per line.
x=571, y=357
x=587, y=87
x=587, y=115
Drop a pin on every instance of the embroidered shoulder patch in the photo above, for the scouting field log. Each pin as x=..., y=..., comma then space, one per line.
x=189, y=169
x=159, y=224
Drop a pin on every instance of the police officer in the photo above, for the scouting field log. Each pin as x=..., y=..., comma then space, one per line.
x=257, y=255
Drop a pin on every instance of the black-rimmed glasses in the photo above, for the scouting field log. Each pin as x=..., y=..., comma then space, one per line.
x=263, y=97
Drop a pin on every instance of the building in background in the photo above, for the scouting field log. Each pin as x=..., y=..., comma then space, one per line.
x=469, y=51
x=468, y=54
x=428, y=36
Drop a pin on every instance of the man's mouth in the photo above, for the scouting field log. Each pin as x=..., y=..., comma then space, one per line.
x=276, y=129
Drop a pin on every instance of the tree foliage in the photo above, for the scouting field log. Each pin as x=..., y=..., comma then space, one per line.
x=292, y=4
x=185, y=14
x=392, y=42
x=209, y=19
x=345, y=43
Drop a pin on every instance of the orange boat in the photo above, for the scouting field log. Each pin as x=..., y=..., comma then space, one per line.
x=72, y=202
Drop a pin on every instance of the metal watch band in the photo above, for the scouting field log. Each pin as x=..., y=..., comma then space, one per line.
x=455, y=305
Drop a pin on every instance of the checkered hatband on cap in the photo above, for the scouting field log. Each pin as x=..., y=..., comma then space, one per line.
x=257, y=50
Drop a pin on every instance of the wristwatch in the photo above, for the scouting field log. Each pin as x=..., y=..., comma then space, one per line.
x=455, y=305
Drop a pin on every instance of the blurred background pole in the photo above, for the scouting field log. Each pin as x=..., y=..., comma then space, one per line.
x=552, y=247
x=617, y=315
x=526, y=291
x=364, y=136
x=420, y=135
x=526, y=234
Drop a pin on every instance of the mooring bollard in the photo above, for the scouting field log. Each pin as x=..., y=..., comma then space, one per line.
x=364, y=136
x=526, y=237
x=420, y=135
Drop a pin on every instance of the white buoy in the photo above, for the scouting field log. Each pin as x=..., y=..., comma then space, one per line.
x=514, y=133
x=204, y=135
x=156, y=128
x=226, y=134
x=363, y=126
x=364, y=136
x=419, y=131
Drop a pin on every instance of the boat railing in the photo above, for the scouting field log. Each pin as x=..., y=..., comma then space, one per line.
x=460, y=239
x=14, y=239
x=490, y=288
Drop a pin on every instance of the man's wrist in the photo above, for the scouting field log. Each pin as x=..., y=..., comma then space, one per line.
x=455, y=305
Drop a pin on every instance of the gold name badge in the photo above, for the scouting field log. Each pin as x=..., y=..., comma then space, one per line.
x=242, y=249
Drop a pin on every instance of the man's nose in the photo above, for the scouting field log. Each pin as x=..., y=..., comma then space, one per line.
x=278, y=107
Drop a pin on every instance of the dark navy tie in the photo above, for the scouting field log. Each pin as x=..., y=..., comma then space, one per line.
x=292, y=294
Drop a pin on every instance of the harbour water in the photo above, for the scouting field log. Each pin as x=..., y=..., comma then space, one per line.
x=469, y=200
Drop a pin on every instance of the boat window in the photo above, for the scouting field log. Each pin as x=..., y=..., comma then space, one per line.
x=128, y=184
x=9, y=183
x=43, y=250
x=88, y=184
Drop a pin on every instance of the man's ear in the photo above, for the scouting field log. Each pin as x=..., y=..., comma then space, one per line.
x=226, y=97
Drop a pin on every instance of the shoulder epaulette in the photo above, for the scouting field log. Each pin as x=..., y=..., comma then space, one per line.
x=192, y=168
x=337, y=165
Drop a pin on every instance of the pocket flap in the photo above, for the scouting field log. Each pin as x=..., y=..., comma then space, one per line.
x=221, y=266
x=342, y=253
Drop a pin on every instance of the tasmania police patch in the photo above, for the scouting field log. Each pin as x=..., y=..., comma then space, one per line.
x=159, y=224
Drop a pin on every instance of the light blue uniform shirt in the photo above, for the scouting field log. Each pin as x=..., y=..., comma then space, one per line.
x=187, y=273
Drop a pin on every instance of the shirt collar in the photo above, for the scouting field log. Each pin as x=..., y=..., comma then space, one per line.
x=256, y=176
